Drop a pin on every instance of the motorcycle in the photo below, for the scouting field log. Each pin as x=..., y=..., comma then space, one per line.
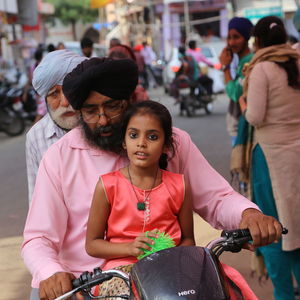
x=186, y=273
x=11, y=121
x=193, y=96
x=13, y=108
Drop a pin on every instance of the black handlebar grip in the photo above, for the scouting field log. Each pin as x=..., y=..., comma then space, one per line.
x=76, y=283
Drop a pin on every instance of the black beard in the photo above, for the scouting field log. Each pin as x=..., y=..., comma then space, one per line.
x=111, y=143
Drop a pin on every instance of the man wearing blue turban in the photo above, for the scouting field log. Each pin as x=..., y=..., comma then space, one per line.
x=239, y=31
x=47, y=81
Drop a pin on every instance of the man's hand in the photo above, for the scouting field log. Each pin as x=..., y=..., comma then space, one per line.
x=243, y=103
x=56, y=285
x=226, y=56
x=264, y=229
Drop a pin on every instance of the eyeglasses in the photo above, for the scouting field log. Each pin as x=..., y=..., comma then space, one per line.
x=111, y=109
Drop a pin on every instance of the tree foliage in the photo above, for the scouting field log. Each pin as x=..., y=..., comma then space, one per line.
x=69, y=12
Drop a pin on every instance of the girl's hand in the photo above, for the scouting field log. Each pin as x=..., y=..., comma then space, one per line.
x=140, y=242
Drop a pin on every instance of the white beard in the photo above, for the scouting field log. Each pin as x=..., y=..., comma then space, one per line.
x=63, y=122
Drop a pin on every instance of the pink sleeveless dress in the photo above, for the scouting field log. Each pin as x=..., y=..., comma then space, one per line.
x=126, y=222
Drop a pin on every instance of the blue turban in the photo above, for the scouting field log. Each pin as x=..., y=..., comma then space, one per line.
x=241, y=25
x=296, y=20
x=53, y=68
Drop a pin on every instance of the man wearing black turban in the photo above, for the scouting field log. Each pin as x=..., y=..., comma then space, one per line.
x=100, y=89
x=55, y=230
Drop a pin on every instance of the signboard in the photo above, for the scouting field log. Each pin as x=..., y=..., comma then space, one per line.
x=254, y=14
x=9, y=6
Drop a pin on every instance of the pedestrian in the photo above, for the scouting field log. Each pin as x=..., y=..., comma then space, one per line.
x=87, y=47
x=185, y=78
x=149, y=56
x=196, y=53
x=239, y=31
x=47, y=81
x=143, y=193
x=141, y=63
x=203, y=79
x=60, y=46
x=51, y=47
x=114, y=42
x=40, y=101
x=121, y=52
x=272, y=90
x=55, y=229
x=296, y=22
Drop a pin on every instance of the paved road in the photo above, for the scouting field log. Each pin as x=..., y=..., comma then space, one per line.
x=209, y=134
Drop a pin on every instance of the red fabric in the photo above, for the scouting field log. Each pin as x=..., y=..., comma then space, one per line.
x=140, y=94
x=239, y=280
x=125, y=221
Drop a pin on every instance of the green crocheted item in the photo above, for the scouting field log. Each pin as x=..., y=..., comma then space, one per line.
x=164, y=241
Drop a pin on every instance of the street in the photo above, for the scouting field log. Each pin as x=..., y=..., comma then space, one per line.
x=207, y=131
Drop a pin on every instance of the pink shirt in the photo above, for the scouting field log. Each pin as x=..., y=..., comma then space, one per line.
x=126, y=222
x=54, y=234
x=199, y=57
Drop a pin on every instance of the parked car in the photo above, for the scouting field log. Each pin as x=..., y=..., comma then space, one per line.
x=211, y=51
x=99, y=50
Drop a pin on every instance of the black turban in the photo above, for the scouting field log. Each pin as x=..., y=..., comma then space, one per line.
x=116, y=79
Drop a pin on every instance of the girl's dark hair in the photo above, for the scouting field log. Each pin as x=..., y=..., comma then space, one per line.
x=162, y=114
x=270, y=31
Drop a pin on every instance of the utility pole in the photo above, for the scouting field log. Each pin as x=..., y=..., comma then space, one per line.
x=186, y=19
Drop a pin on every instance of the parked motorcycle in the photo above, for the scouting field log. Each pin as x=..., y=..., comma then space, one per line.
x=183, y=273
x=11, y=121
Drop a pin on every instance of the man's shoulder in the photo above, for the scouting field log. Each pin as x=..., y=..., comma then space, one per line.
x=41, y=129
x=72, y=138
x=38, y=126
x=180, y=135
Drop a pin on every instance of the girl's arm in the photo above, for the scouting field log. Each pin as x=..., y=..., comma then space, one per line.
x=95, y=244
x=186, y=219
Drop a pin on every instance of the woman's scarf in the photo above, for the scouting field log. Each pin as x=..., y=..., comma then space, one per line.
x=241, y=152
x=277, y=53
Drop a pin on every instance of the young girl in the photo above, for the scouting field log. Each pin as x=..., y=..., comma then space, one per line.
x=142, y=196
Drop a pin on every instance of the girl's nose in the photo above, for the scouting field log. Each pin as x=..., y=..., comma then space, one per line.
x=142, y=142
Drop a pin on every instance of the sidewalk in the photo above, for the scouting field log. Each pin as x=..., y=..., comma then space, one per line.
x=15, y=279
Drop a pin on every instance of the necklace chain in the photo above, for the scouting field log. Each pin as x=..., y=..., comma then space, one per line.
x=145, y=205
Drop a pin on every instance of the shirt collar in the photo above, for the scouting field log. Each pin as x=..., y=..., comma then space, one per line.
x=52, y=129
x=78, y=141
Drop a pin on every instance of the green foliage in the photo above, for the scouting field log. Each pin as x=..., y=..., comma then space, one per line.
x=71, y=11
x=164, y=241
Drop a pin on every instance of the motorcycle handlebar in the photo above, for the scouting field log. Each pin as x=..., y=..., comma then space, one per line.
x=235, y=239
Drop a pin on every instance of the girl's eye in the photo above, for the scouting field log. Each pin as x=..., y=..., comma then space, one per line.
x=132, y=135
x=152, y=137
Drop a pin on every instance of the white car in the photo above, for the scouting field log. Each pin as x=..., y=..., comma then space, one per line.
x=211, y=51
